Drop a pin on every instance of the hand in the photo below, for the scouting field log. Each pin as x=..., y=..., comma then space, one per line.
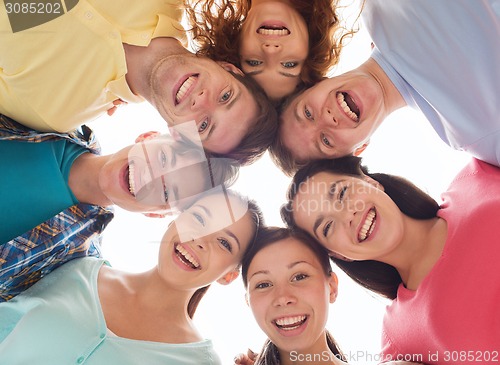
x=116, y=104
x=245, y=359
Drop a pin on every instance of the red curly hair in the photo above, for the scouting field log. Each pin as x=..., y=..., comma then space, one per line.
x=215, y=28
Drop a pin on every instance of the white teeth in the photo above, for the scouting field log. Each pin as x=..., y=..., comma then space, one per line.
x=186, y=85
x=186, y=255
x=345, y=107
x=290, y=323
x=131, y=181
x=277, y=32
x=368, y=226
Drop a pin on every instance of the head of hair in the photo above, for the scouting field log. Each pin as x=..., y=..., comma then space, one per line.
x=269, y=354
x=263, y=128
x=257, y=219
x=215, y=28
x=376, y=276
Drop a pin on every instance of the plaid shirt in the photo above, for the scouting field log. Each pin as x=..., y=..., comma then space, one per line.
x=74, y=232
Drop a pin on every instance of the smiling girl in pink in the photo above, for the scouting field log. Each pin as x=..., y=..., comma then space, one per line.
x=437, y=262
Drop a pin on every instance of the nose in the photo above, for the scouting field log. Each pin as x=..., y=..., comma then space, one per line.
x=269, y=47
x=284, y=298
x=200, y=100
x=328, y=117
x=199, y=244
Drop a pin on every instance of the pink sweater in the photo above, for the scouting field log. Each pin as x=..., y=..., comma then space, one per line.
x=454, y=315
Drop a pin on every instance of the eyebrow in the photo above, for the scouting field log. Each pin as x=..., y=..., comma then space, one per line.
x=205, y=209
x=330, y=196
x=292, y=265
x=286, y=74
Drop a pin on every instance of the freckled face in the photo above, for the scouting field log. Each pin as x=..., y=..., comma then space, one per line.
x=289, y=294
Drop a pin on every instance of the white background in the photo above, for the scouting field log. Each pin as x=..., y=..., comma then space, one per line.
x=404, y=145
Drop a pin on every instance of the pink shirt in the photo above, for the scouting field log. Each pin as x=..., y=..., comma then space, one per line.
x=454, y=315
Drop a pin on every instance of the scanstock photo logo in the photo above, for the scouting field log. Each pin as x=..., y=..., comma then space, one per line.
x=25, y=14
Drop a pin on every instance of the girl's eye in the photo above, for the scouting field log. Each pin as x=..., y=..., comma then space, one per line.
x=165, y=194
x=203, y=126
x=289, y=64
x=199, y=218
x=253, y=63
x=163, y=158
x=300, y=277
x=225, y=243
x=226, y=96
x=342, y=193
x=326, y=228
x=326, y=141
x=262, y=285
x=307, y=113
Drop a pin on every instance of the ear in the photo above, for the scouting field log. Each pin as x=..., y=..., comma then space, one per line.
x=360, y=149
x=246, y=299
x=230, y=68
x=333, y=283
x=229, y=277
x=147, y=136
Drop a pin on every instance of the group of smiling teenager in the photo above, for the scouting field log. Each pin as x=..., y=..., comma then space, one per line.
x=252, y=57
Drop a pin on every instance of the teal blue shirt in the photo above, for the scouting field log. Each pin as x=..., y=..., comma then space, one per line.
x=34, y=183
x=59, y=320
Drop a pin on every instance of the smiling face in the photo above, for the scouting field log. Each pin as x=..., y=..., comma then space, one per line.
x=154, y=175
x=206, y=241
x=334, y=117
x=187, y=88
x=289, y=294
x=349, y=216
x=274, y=46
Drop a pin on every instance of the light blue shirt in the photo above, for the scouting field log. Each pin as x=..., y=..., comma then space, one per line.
x=444, y=58
x=59, y=321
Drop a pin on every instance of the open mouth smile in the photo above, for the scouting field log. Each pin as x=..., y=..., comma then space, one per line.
x=186, y=258
x=185, y=89
x=290, y=323
x=348, y=105
x=129, y=176
x=368, y=225
x=273, y=30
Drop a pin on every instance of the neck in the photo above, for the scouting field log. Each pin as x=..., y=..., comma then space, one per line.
x=392, y=98
x=150, y=291
x=142, y=60
x=422, y=247
x=84, y=179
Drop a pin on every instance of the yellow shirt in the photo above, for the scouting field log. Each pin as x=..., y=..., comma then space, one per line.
x=68, y=71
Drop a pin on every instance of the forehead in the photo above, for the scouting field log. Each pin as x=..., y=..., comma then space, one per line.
x=284, y=252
